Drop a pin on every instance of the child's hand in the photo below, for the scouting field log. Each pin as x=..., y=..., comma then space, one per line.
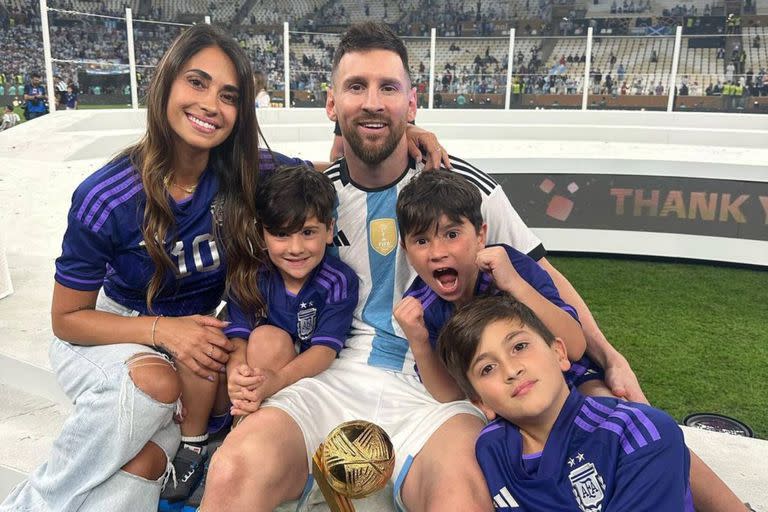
x=495, y=260
x=242, y=379
x=250, y=398
x=409, y=313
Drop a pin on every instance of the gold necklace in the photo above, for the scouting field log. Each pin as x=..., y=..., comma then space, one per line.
x=189, y=190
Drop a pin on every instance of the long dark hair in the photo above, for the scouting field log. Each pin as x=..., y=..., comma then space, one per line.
x=235, y=162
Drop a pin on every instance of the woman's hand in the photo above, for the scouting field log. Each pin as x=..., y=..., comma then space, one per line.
x=195, y=341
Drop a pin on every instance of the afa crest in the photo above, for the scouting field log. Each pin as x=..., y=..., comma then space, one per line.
x=588, y=487
x=306, y=322
x=383, y=235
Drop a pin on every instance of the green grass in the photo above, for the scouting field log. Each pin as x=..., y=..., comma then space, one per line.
x=696, y=335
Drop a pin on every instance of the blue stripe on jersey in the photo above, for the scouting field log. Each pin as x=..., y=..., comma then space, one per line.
x=619, y=421
x=388, y=350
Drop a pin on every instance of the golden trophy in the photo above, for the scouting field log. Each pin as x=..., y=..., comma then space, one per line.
x=355, y=460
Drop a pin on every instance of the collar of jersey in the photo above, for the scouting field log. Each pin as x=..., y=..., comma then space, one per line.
x=345, y=176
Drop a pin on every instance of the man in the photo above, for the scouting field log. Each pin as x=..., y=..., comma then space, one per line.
x=266, y=459
x=35, y=98
x=10, y=118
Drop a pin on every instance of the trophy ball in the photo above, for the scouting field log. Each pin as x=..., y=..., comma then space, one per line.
x=358, y=458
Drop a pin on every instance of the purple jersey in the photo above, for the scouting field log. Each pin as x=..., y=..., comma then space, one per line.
x=602, y=455
x=437, y=311
x=320, y=314
x=104, y=247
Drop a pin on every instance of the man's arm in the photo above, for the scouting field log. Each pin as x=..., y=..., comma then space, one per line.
x=618, y=374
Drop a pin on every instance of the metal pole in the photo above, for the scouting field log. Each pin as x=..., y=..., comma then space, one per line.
x=131, y=59
x=47, y=55
x=510, y=61
x=432, y=46
x=585, y=91
x=673, y=74
x=287, y=64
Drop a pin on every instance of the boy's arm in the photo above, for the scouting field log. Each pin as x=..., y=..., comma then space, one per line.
x=618, y=374
x=506, y=277
x=655, y=476
x=409, y=313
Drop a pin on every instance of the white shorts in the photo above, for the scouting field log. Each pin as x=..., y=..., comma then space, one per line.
x=348, y=390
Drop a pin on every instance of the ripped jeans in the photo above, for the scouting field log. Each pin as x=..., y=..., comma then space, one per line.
x=111, y=422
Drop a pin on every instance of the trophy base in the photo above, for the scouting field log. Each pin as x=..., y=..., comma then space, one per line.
x=336, y=502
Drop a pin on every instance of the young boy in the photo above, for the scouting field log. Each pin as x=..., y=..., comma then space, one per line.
x=443, y=234
x=548, y=447
x=310, y=296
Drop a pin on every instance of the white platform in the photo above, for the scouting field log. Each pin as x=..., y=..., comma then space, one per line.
x=41, y=162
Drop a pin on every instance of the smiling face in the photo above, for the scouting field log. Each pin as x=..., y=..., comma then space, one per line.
x=296, y=254
x=372, y=100
x=203, y=101
x=444, y=257
x=517, y=375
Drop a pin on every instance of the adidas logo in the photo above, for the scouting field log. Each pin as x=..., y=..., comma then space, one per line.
x=341, y=240
x=504, y=500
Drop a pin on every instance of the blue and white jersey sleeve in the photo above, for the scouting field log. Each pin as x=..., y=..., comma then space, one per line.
x=504, y=223
x=335, y=316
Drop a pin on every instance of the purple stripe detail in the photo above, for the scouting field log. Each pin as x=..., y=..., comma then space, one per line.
x=81, y=281
x=532, y=456
x=485, y=282
x=325, y=340
x=647, y=423
x=114, y=203
x=570, y=310
x=322, y=281
x=234, y=330
x=341, y=279
x=636, y=434
x=583, y=425
x=418, y=292
x=586, y=411
x=600, y=407
x=490, y=428
x=98, y=187
x=429, y=300
x=109, y=194
x=577, y=369
x=612, y=427
x=334, y=282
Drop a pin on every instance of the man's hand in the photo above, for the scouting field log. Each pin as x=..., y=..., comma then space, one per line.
x=622, y=380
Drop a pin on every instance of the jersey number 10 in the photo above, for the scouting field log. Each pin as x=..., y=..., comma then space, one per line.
x=197, y=255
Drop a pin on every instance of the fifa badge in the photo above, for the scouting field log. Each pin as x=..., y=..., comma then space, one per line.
x=306, y=320
x=383, y=235
x=588, y=487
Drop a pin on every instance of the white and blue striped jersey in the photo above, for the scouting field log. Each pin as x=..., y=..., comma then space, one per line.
x=602, y=455
x=366, y=239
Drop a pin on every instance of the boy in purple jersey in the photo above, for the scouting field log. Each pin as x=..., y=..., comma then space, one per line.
x=548, y=447
x=310, y=295
x=442, y=231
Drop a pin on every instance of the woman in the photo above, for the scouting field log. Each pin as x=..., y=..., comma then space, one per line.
x=142, y=264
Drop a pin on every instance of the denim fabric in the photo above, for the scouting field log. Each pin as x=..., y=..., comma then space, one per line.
x=111, y=422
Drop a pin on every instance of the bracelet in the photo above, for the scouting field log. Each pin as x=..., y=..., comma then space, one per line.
x=154, y=327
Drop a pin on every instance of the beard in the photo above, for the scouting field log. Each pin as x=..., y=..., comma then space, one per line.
x=368, y=151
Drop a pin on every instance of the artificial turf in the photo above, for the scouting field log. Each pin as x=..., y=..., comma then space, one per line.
x=695, y=334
